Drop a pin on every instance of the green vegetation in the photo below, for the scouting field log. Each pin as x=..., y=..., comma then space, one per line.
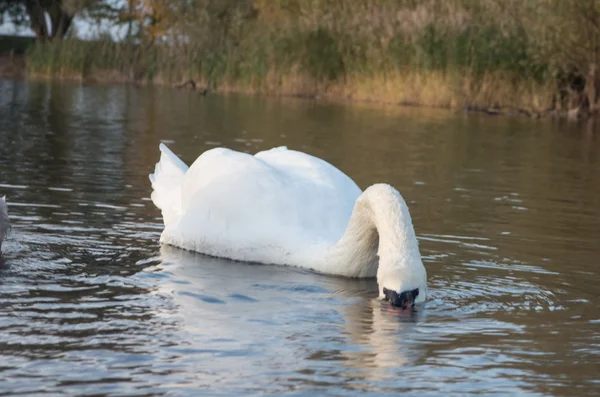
x=15, y=44
x=529, y=54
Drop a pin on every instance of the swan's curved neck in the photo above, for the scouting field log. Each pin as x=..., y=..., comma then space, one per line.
x=380, y=240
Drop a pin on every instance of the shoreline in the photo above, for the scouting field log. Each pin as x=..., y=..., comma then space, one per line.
x=14, y=66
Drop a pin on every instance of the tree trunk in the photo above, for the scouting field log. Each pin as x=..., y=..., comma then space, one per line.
x=37, y=17
x=60, y=24
x=61, y=20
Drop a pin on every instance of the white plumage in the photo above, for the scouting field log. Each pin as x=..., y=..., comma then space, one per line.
x=285, y=207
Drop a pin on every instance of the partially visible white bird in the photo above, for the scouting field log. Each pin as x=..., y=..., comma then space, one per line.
x=285, y=207
x=4, y=221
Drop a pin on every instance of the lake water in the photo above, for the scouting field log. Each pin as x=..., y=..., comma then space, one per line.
x=507, y=212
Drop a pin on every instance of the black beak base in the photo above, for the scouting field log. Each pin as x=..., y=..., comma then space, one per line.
x=404, y=299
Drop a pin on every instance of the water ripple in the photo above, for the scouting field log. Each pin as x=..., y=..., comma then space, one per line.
x=91, y=305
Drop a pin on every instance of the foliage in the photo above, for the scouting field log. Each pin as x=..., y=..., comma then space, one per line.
x=37, y=13
x=546, y=52
x=15, y=44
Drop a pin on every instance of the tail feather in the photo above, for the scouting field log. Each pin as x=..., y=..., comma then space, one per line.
x=166, y=184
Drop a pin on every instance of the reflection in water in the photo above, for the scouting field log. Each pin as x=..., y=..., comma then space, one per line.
x=384, y=338
x=506, y=211
x=363, y=335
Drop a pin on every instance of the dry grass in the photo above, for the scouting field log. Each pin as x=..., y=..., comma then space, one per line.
x=417, y=88
x=12, y=66
x=402, y=87
x=487, y=53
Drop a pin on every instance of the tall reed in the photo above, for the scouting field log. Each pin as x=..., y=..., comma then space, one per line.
x=428, y=52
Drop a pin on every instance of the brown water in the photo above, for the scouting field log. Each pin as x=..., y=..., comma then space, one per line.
x=507, y=212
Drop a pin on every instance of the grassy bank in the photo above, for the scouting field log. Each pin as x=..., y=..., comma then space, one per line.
x=484, y=54
x=12, y=60
x=402, y=84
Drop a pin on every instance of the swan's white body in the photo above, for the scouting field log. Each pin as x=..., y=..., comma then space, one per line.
x=289, y=208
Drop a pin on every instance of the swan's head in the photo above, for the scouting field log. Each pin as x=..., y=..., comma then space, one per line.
x=404, y=300
x=404, y=283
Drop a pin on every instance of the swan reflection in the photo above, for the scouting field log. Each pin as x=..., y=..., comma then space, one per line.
x=277, y=317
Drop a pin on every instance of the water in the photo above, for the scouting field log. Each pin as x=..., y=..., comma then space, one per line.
x=507, y=212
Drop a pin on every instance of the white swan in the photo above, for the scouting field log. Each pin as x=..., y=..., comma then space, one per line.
x=285, y=207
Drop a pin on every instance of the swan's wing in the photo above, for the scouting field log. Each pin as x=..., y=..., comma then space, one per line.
x=279, y=198
x=298, y=165
x=323, y=194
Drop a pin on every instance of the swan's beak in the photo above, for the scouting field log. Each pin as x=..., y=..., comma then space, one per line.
x=403, y=300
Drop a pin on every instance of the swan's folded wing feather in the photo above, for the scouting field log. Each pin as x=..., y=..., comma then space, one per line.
x=280, y=198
